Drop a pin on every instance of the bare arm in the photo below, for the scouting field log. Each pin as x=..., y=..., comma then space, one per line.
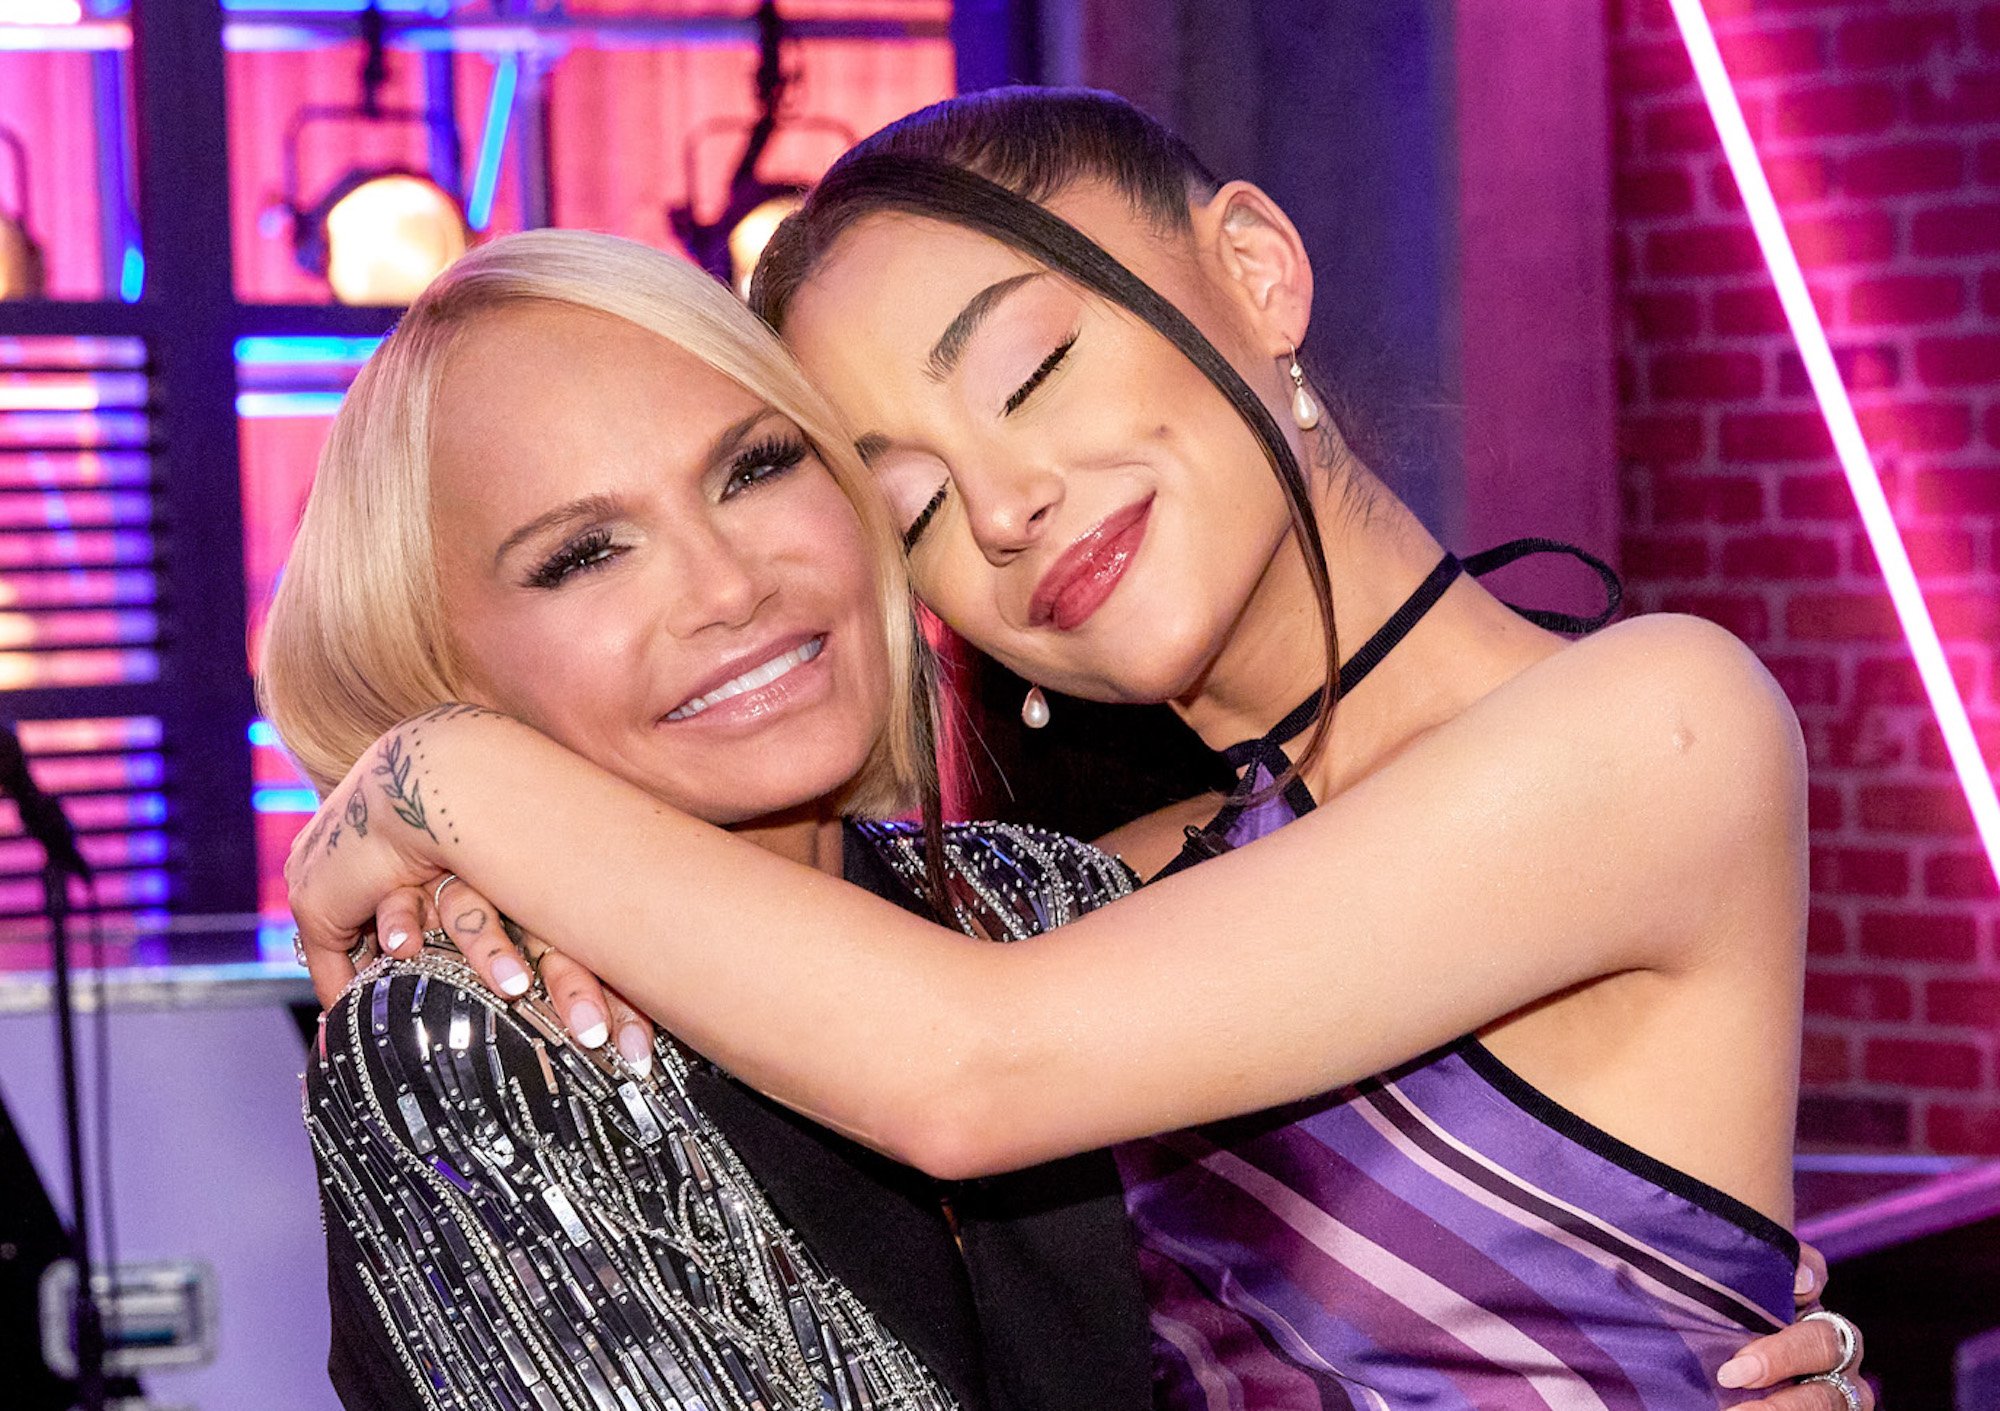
x=1618, y=807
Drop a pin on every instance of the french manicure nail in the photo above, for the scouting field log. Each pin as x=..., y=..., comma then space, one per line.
x=586, y=1025
x=636, y=1048
x=397, y=940
x=1739, y=1371
x=511, y=975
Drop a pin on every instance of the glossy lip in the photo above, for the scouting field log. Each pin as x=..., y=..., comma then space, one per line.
x=1077, y=584
x=763, y=700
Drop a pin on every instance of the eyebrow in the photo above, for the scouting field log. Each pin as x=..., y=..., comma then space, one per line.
x=605, y=506
x=950, y=346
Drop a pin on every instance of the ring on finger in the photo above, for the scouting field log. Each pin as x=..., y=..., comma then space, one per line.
x=436, y=937
x=1850, y=1341
x=437, y=892
x=1840, y=1383
x=298, y=948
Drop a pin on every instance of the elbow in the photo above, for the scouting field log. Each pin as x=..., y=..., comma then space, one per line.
x=967, y=1118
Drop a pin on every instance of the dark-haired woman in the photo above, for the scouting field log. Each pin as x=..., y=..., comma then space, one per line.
x=1513, y=983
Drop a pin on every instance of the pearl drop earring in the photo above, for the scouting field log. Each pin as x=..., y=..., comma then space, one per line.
x=1035, y=709
x=1305, y=411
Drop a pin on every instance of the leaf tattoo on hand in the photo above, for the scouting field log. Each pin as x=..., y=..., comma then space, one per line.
x=405, y=794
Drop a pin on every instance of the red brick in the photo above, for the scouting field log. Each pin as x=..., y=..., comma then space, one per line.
x=1969, y=98
x=1950, y=231
x=1849, y=995
x=1842, y=617
x=1900, y=935
x=1867, y=237
x=1906, y=299
x=1974, y=491
x=1991, y=425
x=1870, y=367
x=1941, y=551
x=1754, y=308
x=1989, y=292
x=1971, y=361
x=1650, y=67
x=1795, y=181
x=1824, y=1058
x=1782, y=556
x=1707, y=499
x=1888, y=680
x=1825, y=813
x=1972, y=1003
x=1970, y=1129
x=1654, y=192
x=1807, y=680
x=1745, y=614
x=1660, y=440
x=1665, y=318
x=1965, y=615
x=1702, y=377
x=1702, y=251
x=1932, y=754
x=1987, y=166
x=1903, y=170
x=1816, y=497
x=1960, y=876
x=1657, y=556
x=1677, y=128
x=1772, y=53
x=1922, y=1063
x=1854, y=1123
x=1986, y=28
x=1775, y=436
x=1853, y=109
x=1931, y=809
x=1916, y=426
x=1893, y=41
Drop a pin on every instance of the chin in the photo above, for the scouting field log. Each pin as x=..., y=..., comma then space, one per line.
x=1162, y=661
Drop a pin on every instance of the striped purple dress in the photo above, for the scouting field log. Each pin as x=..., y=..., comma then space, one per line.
x=1441, y=1237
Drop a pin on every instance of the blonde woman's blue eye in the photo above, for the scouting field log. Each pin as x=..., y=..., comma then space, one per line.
x=764, y=461
x=578, y=556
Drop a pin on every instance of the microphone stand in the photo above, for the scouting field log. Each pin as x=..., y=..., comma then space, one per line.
x=86, y=1318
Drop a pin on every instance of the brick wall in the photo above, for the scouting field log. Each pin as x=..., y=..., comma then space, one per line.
x=1879, y=122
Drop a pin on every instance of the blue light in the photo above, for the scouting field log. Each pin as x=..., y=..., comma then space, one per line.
x=255, y=406
x=304, y=351
x=330, y=7
x=262, y=733
x=132, y=275
x=499, y=117
x=284, y=800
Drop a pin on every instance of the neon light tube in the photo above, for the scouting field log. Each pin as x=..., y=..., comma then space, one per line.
x=493, y=144
x=1883, y=535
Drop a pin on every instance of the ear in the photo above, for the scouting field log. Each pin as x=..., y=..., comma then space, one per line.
x=1254, y=248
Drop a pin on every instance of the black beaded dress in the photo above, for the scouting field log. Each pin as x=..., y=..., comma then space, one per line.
x=513, y=1221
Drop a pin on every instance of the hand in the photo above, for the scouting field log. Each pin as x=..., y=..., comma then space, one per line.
x=1803, y=1350
x=504, y=957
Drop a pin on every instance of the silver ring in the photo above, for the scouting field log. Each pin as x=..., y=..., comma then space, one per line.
x=436, y=937
x=1839, y=1382
x=362, y=950
x=298, y=949
x=437, y=892
x=1850, y=1341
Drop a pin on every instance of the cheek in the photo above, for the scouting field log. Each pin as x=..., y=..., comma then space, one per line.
x=546, y=663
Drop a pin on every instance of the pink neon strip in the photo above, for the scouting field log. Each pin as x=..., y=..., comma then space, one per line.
x=1848, y=443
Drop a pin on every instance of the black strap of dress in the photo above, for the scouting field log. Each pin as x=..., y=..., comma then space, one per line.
x=1268, y=749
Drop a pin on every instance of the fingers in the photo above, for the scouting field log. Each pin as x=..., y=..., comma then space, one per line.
x=473, y=925
x=330, y=971
x=1810, y=1285
x=399, y=919
x=578, y=997
x=632, y=1032
x=1812, y=1396
x=1804, y=1349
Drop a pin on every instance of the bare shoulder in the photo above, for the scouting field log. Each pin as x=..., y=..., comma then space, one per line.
x=1151, y=842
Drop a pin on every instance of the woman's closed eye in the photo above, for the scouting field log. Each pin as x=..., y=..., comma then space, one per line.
x=924, y=517
x=1038, y=376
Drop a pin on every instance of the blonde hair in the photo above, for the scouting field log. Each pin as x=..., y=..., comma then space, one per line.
x=358, y=639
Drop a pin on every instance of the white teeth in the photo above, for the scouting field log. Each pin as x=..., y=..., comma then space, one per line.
x=751, y=680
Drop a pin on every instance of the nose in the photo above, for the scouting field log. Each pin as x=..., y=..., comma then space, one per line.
x=1007, y=505
x=717, y=583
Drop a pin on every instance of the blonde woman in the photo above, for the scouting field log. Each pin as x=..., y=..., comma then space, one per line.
x=582, y=485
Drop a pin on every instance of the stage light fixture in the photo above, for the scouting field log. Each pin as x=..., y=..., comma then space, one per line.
x=379, y=234
x=22, y=272
x=1885, y=538
x=728, y=247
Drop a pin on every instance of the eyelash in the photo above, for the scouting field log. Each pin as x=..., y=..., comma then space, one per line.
x=923, y=519
x=769, y=459
x=1035, y=378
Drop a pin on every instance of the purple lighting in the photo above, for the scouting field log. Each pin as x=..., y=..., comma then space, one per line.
x=1883, y=535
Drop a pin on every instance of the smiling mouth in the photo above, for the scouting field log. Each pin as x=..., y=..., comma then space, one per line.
x=1078, y=583
x=756, y=678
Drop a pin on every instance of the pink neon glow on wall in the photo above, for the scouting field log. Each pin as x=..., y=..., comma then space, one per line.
x=1883, y=534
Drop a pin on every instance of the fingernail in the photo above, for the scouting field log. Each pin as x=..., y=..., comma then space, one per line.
x=1804, y=1281
x=512, y=975
x=1740, y=1371
x=397, y=940
x=586, y=1025
x=637, y=1048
